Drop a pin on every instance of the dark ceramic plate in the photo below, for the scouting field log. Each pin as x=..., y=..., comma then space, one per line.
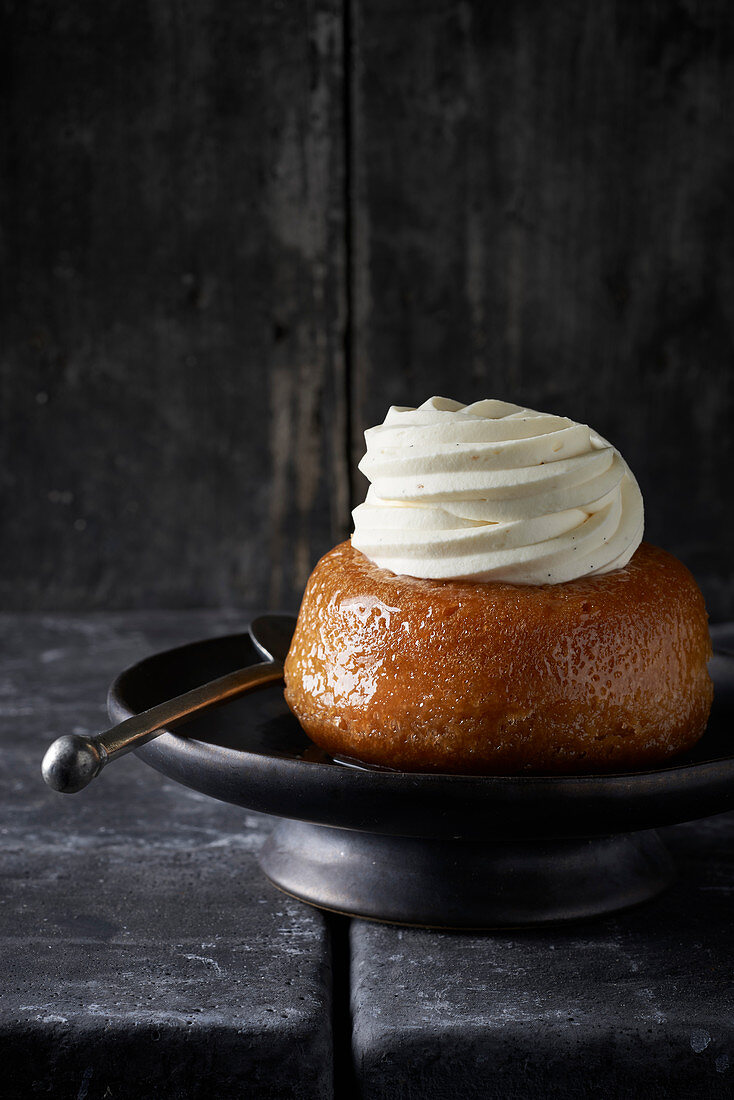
x=253, y=753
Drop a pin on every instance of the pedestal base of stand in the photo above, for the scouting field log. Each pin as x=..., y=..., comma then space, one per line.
x=461, y=884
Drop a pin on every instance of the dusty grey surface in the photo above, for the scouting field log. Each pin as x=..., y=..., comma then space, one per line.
x=231, y=236
x=639, y=1005
x=143, y=953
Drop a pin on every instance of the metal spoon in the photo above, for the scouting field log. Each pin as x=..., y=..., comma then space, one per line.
x=73, y=761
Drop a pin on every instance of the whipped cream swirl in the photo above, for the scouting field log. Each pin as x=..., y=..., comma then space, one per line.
x=494, y=492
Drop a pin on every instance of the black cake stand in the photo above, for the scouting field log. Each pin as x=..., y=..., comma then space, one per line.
x=436, y=850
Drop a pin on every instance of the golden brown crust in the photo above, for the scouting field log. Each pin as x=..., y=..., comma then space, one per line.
x=600, y=674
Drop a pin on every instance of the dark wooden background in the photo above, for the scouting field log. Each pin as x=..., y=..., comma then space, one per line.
x=232, y=235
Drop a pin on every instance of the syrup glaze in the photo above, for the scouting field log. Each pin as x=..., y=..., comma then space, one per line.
x=602, y=673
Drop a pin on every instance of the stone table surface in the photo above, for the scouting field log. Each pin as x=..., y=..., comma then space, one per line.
x=143, y=953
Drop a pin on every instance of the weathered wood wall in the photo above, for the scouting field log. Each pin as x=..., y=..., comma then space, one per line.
x=232, y=237
x=174, y=405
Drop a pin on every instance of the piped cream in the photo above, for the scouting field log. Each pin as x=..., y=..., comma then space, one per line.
x=494, y=492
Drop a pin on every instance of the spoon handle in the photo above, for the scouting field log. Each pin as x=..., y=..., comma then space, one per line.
x=73, y=761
